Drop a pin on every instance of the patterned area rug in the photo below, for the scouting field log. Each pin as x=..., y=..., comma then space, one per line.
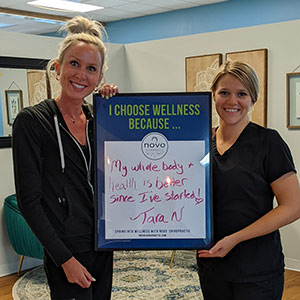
x=137, y=275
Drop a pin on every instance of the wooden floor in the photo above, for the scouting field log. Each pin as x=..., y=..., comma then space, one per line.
x=291, y=286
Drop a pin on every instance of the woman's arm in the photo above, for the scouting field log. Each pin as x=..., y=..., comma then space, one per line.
x=28, y=170
x=287, y=192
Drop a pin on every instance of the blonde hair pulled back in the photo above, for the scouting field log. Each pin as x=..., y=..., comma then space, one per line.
x=81, y=29
x=244, y=72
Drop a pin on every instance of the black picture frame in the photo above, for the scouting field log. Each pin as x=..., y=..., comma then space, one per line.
x=14, y=103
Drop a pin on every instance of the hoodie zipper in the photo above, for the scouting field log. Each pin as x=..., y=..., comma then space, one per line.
x=87, y=164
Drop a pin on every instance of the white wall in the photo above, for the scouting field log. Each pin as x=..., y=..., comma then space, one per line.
x=158, y=66
x=21, y=45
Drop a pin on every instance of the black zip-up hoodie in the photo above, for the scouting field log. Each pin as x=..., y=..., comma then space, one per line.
x=53, y=180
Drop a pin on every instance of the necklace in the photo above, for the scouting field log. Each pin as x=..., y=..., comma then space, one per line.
x=66, y=114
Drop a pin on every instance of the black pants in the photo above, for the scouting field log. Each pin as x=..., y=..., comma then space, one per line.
x=100, y=266
x=214, y=289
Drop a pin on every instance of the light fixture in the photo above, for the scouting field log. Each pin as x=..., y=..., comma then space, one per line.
x=42, y=18
x=64, y=5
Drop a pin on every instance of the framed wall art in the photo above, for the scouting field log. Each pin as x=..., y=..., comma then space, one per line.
x=37, y=86
x=14, y=103
x=257, y=59
x=199, y=74
x=293, y=100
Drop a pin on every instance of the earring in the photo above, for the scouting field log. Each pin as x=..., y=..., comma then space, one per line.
x=57, y=77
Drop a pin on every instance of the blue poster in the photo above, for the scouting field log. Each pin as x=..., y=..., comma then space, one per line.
x=153, y=171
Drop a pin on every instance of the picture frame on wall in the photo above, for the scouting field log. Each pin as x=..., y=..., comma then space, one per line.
x=293, y=100
x=37, y=86
x=14, y=103
x=200, y=71
x=258, y=60
x=199, y=74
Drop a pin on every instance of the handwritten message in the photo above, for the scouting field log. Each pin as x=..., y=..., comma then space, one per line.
x=147, y=198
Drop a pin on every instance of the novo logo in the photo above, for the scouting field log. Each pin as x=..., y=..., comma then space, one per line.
x=155, y=145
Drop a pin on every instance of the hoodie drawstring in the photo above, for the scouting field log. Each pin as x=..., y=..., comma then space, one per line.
x=61, y=150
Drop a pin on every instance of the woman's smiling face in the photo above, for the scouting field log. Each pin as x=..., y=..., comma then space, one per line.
x=232, y=100
x=80, y=71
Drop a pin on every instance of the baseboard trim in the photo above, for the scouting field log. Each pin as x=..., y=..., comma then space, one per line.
x=292, y=264
x=7, y=269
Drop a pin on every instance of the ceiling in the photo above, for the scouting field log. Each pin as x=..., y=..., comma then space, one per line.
x=113, y=10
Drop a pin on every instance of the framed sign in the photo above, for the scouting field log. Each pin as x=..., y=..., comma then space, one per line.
x=293, y=100
x=14, y=103
x=153, y=172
